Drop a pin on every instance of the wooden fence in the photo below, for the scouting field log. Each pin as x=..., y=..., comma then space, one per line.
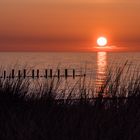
x=47, y=73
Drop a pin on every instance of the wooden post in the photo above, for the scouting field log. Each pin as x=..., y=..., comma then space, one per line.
x=73, y=73
x=66, y=73
x=24, y=73
x=19, y=74
x=33, y=74
x=13, y=73
x=58, y=74
x=46, y=73
x=37, y=73
x=50, y=73
x=4, y=75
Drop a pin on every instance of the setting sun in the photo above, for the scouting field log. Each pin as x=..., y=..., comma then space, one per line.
x=102, y=41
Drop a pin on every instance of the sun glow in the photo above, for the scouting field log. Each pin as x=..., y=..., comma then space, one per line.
x=102, y=41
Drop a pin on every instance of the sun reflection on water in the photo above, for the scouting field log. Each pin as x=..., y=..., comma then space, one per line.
x=101, y=69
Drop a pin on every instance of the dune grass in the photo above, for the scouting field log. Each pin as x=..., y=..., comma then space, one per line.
x=43, y=114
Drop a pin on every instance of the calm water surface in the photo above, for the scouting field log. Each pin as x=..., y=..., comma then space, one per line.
x=94, y=63
x=42, y=60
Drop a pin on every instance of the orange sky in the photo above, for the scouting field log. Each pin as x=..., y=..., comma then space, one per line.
x=72, y=25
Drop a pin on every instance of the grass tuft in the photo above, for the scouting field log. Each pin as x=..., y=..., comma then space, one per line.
x=71, y=113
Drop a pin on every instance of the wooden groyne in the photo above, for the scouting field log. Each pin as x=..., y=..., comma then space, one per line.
x=47, y=73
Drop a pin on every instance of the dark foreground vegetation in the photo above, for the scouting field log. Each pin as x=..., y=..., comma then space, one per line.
x=113, y=115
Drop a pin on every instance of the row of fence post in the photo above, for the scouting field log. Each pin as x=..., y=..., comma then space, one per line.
x=37, y=74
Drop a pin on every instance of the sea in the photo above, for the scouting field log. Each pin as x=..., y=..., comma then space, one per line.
x=94, y=65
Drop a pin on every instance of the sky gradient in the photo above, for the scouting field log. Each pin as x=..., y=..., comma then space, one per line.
x=72, y=25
